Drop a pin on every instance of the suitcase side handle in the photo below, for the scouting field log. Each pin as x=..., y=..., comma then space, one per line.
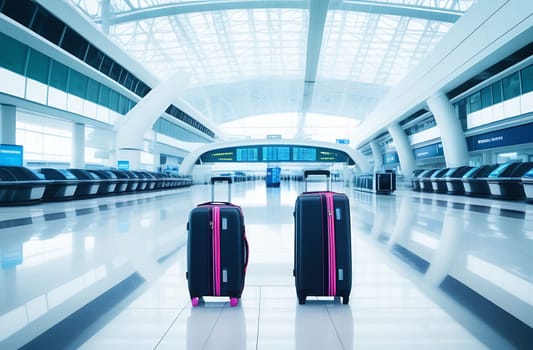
x=247, y=252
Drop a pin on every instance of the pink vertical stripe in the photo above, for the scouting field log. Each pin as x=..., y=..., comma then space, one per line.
x=331, y=245
x=216, y=250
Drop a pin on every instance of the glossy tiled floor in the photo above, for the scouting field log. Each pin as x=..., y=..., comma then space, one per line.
x=420, y=264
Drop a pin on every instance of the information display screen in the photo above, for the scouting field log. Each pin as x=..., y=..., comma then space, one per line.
x=11, y=155
x=304, y=154
x=247, y=154
x=276, y=153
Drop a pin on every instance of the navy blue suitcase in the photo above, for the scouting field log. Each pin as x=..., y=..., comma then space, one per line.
x=322, y=244
x=217, y=250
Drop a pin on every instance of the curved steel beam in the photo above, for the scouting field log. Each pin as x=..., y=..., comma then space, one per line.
x=190, y=160
x=442, y=15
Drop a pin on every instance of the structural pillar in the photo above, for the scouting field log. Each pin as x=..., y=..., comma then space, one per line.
x=78, y=146
x=403, y=147
x=451, y=132
x=8, y=124
x=378, y=157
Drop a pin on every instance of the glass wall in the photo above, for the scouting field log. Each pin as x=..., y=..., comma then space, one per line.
x=27, y=73
x=50, y=140
x=497, y=100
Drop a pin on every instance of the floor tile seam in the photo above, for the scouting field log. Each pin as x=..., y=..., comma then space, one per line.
x=171, y=325
x=258, y=320
x=220, y=310
x=335, y=327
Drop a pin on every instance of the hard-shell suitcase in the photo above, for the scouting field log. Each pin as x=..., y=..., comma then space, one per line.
x=322, y=244
x=217, y=249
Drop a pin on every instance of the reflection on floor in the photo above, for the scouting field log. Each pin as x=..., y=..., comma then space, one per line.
x=110, y=274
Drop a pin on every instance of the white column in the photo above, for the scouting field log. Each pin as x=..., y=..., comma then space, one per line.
x=403, y=147
x=451, y=132
x=78, y=146
x=8, y=124
x=378, y=157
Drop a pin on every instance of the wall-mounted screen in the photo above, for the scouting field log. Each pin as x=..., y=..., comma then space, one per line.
x=11, y=155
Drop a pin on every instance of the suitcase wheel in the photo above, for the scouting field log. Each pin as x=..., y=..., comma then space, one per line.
x=195, y=301
x=345, y=299
x=233, y=301
x=301, y=299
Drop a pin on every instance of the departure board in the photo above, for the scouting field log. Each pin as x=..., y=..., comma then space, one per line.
x=219, y=155
x=276, y=153
x=247, y=154
x=304, y=154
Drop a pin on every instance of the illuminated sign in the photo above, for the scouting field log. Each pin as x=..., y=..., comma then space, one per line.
x=123, y=165
x=276, y=153
x=11, y=155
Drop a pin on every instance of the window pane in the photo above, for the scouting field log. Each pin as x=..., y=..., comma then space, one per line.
x=104, y=96
x=77, y=84
x=94, y=57
x=511, y=86
x=128, y=82
x=115, y=72
x=497, y=92
x=527, y=79
x=38, y=66
x=58, y=77
x=93, y=88
x=20, y=11
x=13, y=55
x=475, y=102
x=106, y=65
x=486, y=97
x=74, y=43
x=113, y=100
x=48, y=26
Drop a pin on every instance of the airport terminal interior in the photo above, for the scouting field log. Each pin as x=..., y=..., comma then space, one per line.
x=118, y=118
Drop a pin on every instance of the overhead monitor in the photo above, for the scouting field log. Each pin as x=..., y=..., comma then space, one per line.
x=275, y=153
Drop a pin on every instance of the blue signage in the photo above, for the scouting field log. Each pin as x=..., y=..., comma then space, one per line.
x=123, y=165
x=273, y=177
x=429, y=151
x=343, y=141
x=391, y=158
x=505, y=137
x=11, y=155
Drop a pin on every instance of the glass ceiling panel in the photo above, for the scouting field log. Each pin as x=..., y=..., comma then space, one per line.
x=219, y=46
x=319, y=127
x=251, y=47
x=373, y=48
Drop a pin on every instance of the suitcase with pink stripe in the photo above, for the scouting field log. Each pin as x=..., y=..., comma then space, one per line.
x=217, y=250
x=322, y=243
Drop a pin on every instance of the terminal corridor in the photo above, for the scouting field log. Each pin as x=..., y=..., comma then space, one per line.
x=429, y=271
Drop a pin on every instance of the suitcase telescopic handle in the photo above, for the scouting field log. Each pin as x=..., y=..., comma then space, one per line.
x=221, y=179
x=316, y=172
x=216, y=179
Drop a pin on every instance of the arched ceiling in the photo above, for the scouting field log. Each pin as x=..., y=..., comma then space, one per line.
x=251, y=57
